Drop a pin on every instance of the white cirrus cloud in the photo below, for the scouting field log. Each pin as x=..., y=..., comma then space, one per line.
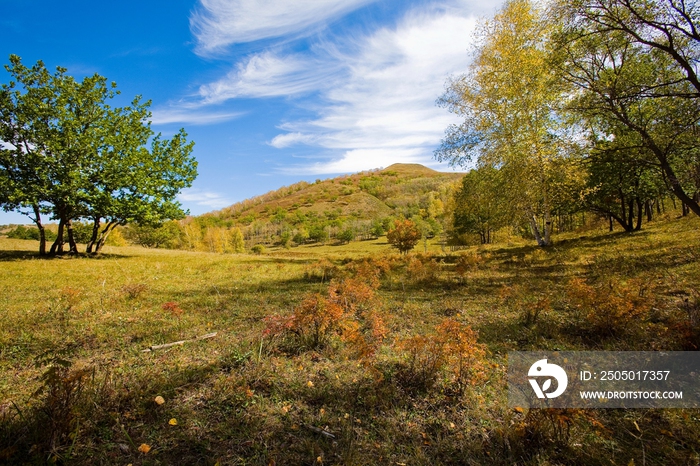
x=382, y=109
x=268, y=74
x=164, y=116
x=374, y=94
x=219, y=23
x=357, y=160
x=282, y=141
x=209, y=199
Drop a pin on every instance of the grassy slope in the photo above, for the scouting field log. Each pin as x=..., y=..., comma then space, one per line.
x=237, y=404
x=395, y=185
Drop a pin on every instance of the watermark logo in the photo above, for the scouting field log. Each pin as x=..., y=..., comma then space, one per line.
x=542, y=369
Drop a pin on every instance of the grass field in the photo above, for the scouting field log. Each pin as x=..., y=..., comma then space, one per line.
x=377, y=383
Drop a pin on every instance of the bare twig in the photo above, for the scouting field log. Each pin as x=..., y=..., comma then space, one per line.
x=323, y=432
x=181, y=342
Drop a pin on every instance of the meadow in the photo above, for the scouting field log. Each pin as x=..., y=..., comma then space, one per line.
x=345, y=354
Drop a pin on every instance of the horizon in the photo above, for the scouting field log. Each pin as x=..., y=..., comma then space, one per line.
x=271, y=96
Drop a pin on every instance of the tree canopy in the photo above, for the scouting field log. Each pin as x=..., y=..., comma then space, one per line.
x=404, y=235
x=67, y=153
x=509, y=101
x=580, y=105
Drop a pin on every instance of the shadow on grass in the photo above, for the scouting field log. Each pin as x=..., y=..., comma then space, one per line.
x=24, y=255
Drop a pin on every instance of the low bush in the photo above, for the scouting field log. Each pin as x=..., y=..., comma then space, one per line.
x=612, y=307
x=451, y=352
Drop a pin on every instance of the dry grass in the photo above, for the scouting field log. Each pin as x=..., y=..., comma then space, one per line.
x=75, y=387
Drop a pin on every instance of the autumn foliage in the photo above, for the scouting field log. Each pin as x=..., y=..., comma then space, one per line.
x=404, y=235
x=348, y=310
x=611, y=307
x=451, y=350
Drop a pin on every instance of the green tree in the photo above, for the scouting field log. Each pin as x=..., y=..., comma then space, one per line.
x=479, y=207
x=621, y=180
x=318, y=233
x=636, y=63
x=404, y=235
x=377, y=228
x=301, y=236
x=149, y=236
x=346, y=235
x=68, y=154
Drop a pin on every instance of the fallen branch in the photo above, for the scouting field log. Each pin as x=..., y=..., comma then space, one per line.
x=181, y=342
x=323, y=432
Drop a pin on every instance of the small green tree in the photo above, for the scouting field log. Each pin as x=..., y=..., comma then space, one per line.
x=347, y=235
x=404, y=235
x=237, y=241
x=318, y=234
x=479, y=207
x=377, y=229
x=301, y=236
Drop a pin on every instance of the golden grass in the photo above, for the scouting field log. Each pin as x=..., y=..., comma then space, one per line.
x=239, y=399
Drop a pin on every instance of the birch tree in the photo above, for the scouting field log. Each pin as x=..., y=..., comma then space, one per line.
x=509, y=101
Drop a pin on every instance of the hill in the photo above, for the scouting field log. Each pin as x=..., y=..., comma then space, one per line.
x=359, y=202
x=362, y=195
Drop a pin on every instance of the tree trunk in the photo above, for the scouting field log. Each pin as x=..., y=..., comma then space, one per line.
x=649, y=210
x=640, y=214
x=666, y=168
x=610, y=218
x=688, y=202
x=73, y=247
x=57, y=246
x=103, y=237
x=95, y=234
x=630, y=215
x=536, y=230
x=42, y=230
x=623, y=205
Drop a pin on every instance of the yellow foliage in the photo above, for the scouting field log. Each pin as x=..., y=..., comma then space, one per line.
x=612, y=306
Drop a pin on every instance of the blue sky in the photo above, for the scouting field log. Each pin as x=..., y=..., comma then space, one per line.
x=271, y=91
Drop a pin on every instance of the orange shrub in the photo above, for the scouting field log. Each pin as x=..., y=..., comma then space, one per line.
x=349, y=309
x=610, y=307
x=452, y=349
x=466, y=263
x=322, y=270
x=315, y=321
x=371, y=269
x=423, y=269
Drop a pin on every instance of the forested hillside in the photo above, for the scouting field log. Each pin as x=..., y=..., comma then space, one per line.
x=338, y=210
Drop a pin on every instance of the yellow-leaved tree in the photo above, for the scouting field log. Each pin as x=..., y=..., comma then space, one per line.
x=509, y=100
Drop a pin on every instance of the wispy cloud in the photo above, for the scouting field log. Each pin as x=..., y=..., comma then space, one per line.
x=219, y=23
x=374, y=94
x=164, y=116
x=358, y=160
x=268, y=75
x=206, y=199
x=382, y=110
